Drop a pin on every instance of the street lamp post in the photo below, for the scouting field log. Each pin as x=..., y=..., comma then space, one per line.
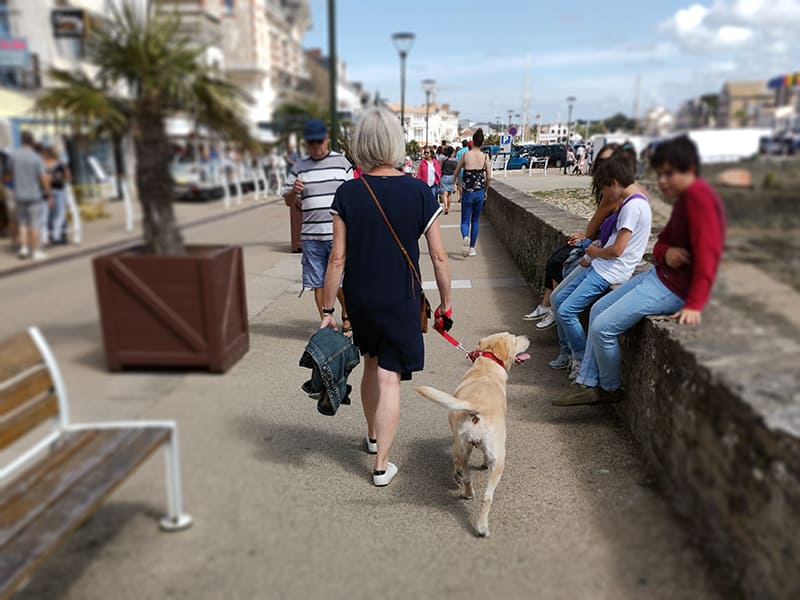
x=538, y=126
x=429, y=85
x=570, y=102
x=333, y=68
x=510, y=112
x=402, y=42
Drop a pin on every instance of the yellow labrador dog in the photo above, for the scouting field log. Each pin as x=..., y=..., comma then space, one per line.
x=478, y=413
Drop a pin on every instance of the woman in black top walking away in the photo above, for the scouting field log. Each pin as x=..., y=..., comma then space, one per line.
x=383, y=295
x=477, y=176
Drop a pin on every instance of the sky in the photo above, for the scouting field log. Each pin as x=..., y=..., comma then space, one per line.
x=606, y=54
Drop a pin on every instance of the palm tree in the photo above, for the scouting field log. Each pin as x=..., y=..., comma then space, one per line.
x=147, y=70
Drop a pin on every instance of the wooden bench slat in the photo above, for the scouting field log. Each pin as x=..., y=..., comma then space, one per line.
x=17, y=354
x=19, y=423
x=30, y=494
x=25, y=389
x=28, y=549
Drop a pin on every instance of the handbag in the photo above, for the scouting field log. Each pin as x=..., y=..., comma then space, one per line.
x=425, y=306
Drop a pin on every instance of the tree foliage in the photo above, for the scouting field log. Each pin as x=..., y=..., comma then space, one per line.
x=148, y=70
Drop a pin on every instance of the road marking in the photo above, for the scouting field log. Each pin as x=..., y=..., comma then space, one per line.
x=500, y=282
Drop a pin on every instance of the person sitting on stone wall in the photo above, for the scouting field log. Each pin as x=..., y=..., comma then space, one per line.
x=686, y=258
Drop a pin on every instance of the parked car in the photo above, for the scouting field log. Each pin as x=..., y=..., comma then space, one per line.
x=191, y=181
x=784, y=142
x=555, y=152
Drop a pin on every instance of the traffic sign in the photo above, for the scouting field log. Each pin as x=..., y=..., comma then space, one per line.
x=505, y=143
x=512, y=131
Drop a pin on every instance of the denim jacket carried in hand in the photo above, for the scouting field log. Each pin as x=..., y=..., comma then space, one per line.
x=331, y=356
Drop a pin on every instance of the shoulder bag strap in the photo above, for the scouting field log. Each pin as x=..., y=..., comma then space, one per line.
x=392, y=231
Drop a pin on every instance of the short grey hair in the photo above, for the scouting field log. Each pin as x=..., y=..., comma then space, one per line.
x=377, y=140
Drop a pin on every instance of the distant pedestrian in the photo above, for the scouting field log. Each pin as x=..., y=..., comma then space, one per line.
x=291, y=158
x=382, y=293
x=460, y=173
x=477, y=177
x=446, y=185
x=310, y=187
x=59, y=176
x=31, y=194
x=430, y=171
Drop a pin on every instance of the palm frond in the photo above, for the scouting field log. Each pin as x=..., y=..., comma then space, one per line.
x=76, y=98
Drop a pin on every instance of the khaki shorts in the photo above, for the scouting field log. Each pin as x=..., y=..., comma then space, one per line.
x=31, y=214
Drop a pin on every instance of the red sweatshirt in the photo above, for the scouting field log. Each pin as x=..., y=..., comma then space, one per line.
x=697, y=224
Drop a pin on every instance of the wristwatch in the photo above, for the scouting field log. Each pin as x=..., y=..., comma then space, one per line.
x=328, y=311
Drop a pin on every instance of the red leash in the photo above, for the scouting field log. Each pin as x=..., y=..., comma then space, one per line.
x=438, y=325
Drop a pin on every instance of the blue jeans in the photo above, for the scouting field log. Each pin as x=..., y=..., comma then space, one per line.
x=570, y=302
x=563, y=346
x=615, y=313
x=471, y=206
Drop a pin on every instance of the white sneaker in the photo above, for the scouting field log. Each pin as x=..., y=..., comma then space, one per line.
x=386, y=477
x=465, y=247
x=537, y=313
x=39, y=255
x=548, y=321
x=23, y=252
x=372, y=445
x=574, y=369
x=472, y=252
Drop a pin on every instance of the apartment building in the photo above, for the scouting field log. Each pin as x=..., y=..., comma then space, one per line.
x=442, y=123
x=351, y=98
x=741, y=101
x=262, y=45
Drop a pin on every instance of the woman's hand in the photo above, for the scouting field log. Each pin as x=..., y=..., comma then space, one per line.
x=593, y=251
x=443, y=318
x=329, y=321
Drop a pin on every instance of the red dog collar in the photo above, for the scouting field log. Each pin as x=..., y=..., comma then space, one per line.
x=475, y=354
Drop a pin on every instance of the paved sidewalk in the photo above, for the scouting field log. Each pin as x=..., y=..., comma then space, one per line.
x=282, y=497
x=108, y=231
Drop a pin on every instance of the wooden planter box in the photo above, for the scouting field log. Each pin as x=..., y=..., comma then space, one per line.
x=173, y=311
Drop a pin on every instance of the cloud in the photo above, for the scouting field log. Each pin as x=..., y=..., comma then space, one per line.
x=729, y=25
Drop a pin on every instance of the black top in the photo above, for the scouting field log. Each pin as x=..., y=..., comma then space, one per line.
x=381, y=292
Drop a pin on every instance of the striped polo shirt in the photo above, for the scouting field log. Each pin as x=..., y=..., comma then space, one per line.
x=321, y=178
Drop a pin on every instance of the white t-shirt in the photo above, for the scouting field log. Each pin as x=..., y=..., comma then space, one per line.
x=431, y=173
x=635, y=216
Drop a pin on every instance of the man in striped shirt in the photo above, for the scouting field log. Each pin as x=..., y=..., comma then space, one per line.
x=311, y=185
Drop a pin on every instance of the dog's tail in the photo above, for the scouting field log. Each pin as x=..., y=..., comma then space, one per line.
x=443, y=398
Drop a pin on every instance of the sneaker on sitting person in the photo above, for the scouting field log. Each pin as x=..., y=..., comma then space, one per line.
x=588, y=395
x=548, y=321
x=537, y=313
x=560, y=362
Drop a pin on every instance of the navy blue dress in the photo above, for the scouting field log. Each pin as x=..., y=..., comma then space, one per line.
x=381, y=292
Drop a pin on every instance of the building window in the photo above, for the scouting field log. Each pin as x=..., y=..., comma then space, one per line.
x=228, y=6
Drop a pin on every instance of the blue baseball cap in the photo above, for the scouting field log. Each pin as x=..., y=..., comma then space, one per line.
x=314, y=130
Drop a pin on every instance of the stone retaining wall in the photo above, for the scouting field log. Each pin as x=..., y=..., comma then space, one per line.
x=715, y=410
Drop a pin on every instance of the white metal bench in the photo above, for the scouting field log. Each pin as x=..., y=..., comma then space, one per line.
x=538, y=162
x=62, y=475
